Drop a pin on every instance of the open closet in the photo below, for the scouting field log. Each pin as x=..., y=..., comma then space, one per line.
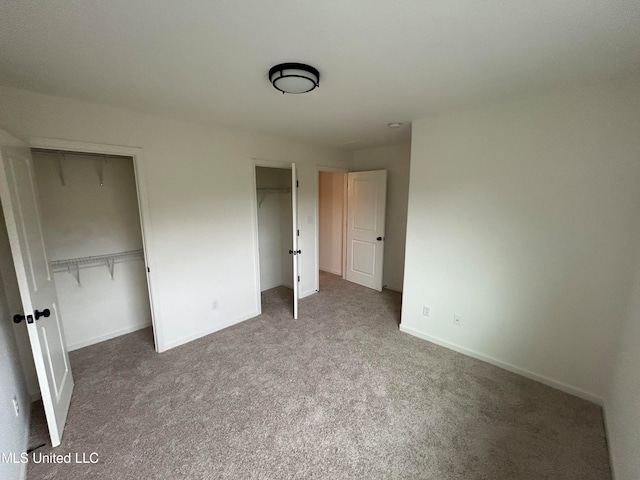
x=91, y=224
x=273, y=193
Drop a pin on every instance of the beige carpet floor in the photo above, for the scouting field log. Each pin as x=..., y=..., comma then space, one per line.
x=340, y=393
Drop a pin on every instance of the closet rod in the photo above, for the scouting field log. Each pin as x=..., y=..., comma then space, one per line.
x=47, y=151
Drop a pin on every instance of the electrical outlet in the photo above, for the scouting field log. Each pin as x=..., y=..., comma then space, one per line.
x=457, y=320
x=426, y=310
x=214, y=305
x=16, y=406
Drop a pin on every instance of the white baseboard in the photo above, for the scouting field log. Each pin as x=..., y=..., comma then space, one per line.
x=395, y=288
x=610, y=440
x=204, y=333
x=274, y=285
x=335, y=272
x=506, y=366
x=107, y=336
x=264, y=288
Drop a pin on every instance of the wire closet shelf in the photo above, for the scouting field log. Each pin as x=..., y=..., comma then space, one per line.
x=263, y=192
x=74, y=265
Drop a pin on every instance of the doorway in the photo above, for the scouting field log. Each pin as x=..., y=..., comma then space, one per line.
x=39, y=305
x=93, y=235
x=332, y=218
x=351, y=225
x=276, y=232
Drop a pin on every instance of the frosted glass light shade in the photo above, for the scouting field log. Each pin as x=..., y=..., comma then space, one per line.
x=294, y=77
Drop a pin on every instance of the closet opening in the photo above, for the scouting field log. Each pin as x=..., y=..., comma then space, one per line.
x=93, y=233
x=275, y=230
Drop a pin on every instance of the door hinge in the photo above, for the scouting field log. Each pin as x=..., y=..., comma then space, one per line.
x=298, y=232
x=298, y=277
x=297, y=184
x=148, y=270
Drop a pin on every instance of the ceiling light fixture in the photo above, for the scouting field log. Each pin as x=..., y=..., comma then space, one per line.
x=294, y=77
x=394, y=125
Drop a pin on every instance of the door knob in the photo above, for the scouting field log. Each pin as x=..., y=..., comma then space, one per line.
x=44, y=313
x=17, y=318
x=379, y=239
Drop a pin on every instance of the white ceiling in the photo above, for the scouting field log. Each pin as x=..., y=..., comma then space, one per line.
x=380, y=60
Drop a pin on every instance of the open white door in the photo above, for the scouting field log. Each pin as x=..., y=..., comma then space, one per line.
x=37, y=290
x=366, y=205
x=295, y=252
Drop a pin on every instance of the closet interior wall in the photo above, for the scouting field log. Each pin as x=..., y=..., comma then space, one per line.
x=83, y=218
x=274, y=227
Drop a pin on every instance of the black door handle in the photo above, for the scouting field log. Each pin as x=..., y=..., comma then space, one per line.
x=17, y=318
x=379, y=239
x=44, y=313
x=295, y=252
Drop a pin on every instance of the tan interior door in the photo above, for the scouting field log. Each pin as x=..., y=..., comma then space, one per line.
x=40, y=309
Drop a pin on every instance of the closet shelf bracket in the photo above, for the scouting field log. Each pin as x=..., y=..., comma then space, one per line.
x=100, y=167
x=60, y=169
x=75, y=271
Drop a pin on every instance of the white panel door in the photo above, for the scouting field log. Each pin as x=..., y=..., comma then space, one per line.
x=295, y=251
x=366, y=205
x=41, y=312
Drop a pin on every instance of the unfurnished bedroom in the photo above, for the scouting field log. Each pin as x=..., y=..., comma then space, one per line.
x=324, y=240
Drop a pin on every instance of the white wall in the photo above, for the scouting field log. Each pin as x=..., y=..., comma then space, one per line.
x=274, y=228
x=395, y=159
x=522, y=219
x=623, y=404
x=14, y=430
x=83, y=218
x=201, y=197
x=331, y=221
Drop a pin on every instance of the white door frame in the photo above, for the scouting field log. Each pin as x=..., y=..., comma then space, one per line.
x=260, y=162
x=323, y=168
x=143, y=205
